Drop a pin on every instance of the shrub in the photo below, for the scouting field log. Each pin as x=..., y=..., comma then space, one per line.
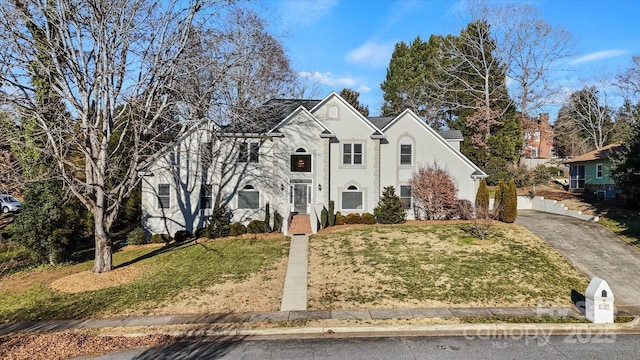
x=353, y=218
x=267, y=218
x=136, y=237
x=389, y=209
x=219, y=222
x=482, y=196
x=200, y=233
x=510, y=199
x=332, y=216
x=339, y=219
x=237, y=229
x=368, y=219
x=434, y=193
x=498, y=199
x=324, y=218
x=277, y=221
x=182, y=235
x=464, y=210
x=160, y=238
x=257, y=227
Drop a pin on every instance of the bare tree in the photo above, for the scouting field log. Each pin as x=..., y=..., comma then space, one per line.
x=629, y=81
x=114, y=65
x=531, y=49
x=586, y=110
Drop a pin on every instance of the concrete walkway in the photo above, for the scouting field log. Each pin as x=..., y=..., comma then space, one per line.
x=592, y=249
x=294, y=294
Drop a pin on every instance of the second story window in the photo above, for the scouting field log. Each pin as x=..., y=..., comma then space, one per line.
x=405, y=154
x=352, y=154
x=248, y=152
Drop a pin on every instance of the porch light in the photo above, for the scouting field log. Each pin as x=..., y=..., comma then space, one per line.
x=319, y=187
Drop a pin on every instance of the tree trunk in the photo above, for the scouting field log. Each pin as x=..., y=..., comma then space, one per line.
x=103, y=262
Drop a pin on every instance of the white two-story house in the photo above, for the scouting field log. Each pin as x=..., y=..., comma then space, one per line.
x=304, y=154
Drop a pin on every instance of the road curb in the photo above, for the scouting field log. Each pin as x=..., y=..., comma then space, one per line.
x=467, y=330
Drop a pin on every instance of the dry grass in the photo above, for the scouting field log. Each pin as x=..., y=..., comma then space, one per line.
x=436, y=266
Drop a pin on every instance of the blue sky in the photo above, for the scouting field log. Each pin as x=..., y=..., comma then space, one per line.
x=348, y=43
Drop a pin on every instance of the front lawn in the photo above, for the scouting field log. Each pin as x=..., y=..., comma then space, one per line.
x=155, y=280
x=436, y=266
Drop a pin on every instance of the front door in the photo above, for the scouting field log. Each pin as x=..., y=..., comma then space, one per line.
x=300, y=196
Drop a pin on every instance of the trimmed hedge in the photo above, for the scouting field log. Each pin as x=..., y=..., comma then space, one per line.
x=257, y=227
x=237, y=228
x=368, y=219
x=353, y=218
x=182, y=235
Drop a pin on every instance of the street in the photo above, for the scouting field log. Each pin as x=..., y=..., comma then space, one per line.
x=512, y=346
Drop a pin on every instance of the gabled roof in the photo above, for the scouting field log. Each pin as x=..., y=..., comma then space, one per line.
x=301, y=109
x=604, y=153
x=350, y=107
x=478, y=173
x=269, y=115
x=382, y=122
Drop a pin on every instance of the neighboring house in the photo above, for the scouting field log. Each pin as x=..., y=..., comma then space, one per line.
x=306, y=153
x=538, y=141
x=590, y=172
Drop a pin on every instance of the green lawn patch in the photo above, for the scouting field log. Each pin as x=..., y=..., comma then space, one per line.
x=187, y=267
x=437, y=265
x=625, y=224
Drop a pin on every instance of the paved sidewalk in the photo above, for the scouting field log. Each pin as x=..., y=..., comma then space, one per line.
x=294, y=294
x=592, y=249
x=283, y=316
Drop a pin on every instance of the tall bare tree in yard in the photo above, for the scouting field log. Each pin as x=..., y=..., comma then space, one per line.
x=587, y=112
x=114, y=65
x=531, y=48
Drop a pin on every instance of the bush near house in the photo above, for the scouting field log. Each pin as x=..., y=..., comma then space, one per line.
x=136, y=237
x=434, y=193
x=257, y=227
x=482, y=196
x=277, y=221
x=237, y=228
x=368, y=219
x=510, y=209
x=353, y=218
x=340, y=219
x=219, y=222
x=331, y=214
x=389, y=209
x=160, y=238
x=182, y=235
x=324, y=218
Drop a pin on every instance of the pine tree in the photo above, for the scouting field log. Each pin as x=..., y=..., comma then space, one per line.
x=626, y=167
x=389, y=209
x=351, y=96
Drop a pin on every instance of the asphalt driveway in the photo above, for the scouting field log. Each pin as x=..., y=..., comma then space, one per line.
x=592, y=249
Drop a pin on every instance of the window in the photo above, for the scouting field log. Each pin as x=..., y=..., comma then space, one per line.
x=533, y=152
x=576, y=177
x=333, y=111
x=536, y=135
x=248, y=198
x=405, y=196
x=164, y=196
x=299, y=162
x=249, y=152
x=352, y=199
x=206, y=196
x=599, y=171
x=553, y=152
x=352, y=154
x=405, y=154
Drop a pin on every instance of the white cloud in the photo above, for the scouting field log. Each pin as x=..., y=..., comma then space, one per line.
x=328, y=79
x=307, y=12
x=364, y=89
x=600, y=55
x=372, y=54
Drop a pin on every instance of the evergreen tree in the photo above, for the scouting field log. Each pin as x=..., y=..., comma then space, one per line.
x=482, y=196
x=626, y=167
x=509, y=211
x=351, y=96
x=498, y=199
x=389, y=209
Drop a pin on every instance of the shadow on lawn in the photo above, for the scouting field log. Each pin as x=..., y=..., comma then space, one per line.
x=162, y=250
